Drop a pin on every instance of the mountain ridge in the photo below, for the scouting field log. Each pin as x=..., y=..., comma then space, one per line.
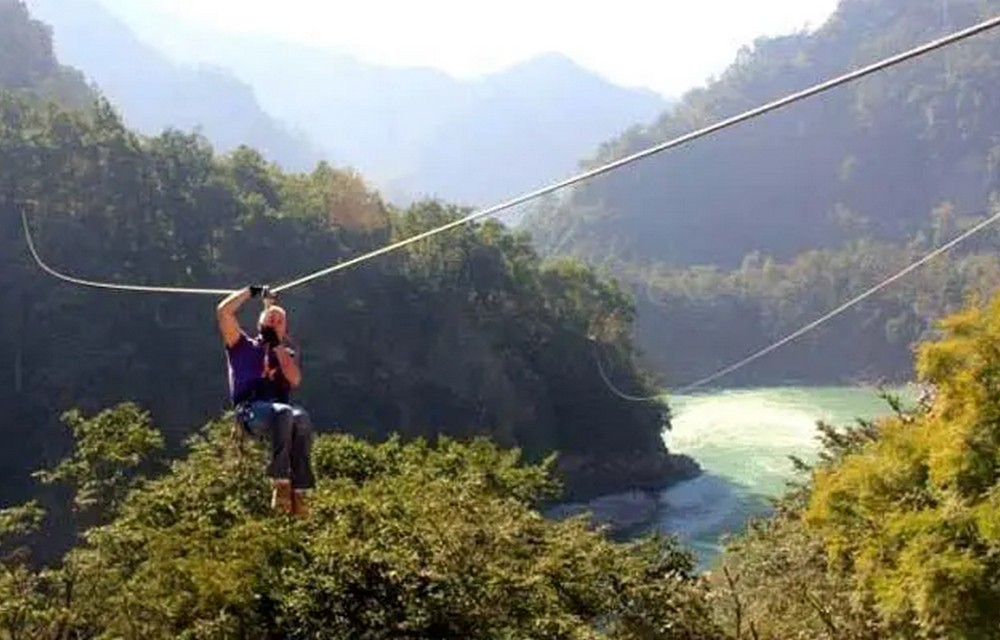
x=154, y=93
x=874, y=157
x=28, y=64
x=736, y=240
x=413, y=130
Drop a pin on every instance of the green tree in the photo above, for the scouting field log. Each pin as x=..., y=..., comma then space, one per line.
x=893, y=534
x=466, y=334
x=408, y=540
x=912, y=515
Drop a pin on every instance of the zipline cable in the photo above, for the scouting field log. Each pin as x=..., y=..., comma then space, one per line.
x=958, y=36
x=110, y=285
x=844, y=307
x=611, y=166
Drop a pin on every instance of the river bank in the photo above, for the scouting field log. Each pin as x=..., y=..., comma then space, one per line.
x=588, y=478
x=741, y=441
x=621, y=492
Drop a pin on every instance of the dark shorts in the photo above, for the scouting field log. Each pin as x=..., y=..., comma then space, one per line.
x=291, y=436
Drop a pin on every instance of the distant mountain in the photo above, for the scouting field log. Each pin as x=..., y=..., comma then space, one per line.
x=154, y=93
x=413, y=130
x=735, y=241
x=27, y=62
x=524, y=127
x=874, y=158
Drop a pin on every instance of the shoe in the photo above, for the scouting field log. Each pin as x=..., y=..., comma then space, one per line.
x=281, y=497
x=300, y=504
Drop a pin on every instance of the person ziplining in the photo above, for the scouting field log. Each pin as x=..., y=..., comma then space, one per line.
x=263, y=371
x=266, y=357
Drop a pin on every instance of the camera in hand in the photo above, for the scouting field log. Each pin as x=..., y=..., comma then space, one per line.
x=270, y=336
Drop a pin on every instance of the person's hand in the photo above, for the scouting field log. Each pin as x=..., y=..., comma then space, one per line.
x=259, y=290
x=270, y=336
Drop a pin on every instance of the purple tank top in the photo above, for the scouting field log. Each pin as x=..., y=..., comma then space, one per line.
x=254, y=372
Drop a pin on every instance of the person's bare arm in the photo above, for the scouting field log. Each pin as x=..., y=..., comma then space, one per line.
x=225, y=313
x=289, y=365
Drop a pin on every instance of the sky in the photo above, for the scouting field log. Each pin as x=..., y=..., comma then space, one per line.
x=666, y=45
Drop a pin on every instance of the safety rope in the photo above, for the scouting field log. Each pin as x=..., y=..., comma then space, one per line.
x=842, y=308
x=611, y=385
x=109, y=285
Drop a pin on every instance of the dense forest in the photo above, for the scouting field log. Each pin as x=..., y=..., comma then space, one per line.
x=892, y=533
x=692, y=322
x=463, y=335
x=872, y=158
x=748, y=235
x=443, y=378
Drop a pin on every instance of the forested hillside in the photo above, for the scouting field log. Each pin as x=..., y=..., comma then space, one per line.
x=463, y=335
x=153, y=93
x=27, y=62
x=693, y=322
x=734, y=241
x=875, y=157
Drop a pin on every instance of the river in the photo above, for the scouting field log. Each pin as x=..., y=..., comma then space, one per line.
x=743, y=440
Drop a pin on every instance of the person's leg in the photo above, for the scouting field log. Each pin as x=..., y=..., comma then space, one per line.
x=302, y=473
x=277, y=420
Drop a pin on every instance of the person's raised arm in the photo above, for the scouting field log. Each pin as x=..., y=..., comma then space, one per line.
x=226, y=310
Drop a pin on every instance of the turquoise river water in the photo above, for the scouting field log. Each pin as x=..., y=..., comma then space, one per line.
x=743, y=440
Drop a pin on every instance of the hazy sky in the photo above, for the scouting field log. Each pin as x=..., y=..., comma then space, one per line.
x=668, y=46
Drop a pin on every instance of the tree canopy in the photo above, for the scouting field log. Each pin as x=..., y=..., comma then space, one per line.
x=893, y=534
x=465, y=334
x=415, y=540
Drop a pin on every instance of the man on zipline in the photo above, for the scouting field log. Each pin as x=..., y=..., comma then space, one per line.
x=262, y=372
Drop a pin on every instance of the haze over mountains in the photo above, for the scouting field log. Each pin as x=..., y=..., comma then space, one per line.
x=412, y=132
x=875, y=157
x=737, y=240
x=27, y=63
x=153, y=93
